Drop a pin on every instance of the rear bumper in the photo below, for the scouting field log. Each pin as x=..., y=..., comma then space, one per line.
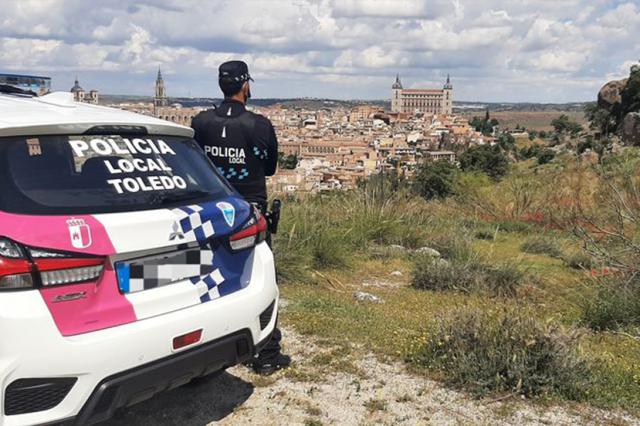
x=143, y=382
x=133, y=361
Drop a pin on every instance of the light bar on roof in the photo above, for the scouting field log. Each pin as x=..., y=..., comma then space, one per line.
x=37, y=84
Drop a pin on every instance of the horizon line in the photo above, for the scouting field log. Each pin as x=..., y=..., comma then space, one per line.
x=356, y=99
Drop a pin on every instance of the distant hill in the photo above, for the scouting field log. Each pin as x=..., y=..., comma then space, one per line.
x=317, y=103
x=461, y=106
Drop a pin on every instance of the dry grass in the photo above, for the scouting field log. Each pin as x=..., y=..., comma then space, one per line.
x=533, y=120
x=511, y=211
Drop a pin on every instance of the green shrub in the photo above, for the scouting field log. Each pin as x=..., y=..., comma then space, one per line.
x=486, y=234
x=540, y=244
x=545, y=156
x=513, y=226
x=451, y=245
x=505, y=352
x=435, y=179
x=470, y=275
x=329, y=250
x=615, y=304
x=291, y=264
x=485, y=158
x=579, y=260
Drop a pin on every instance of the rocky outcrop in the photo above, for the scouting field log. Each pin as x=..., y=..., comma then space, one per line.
x=621, y=101
x=630, y=129
x=610, y=96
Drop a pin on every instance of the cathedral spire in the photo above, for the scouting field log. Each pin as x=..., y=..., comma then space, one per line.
x=448, y=85
x=397, y=84
x=160, y=99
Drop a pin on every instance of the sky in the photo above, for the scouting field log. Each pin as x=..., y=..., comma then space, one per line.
x=495, y=51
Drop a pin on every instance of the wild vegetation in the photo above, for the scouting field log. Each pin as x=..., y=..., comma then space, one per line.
x=515, y=274
x=533, y=290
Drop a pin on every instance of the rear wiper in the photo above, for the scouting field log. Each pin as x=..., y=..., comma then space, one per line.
x=6, y=88
x=177, y=197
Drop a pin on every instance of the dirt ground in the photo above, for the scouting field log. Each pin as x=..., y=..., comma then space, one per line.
x=326, y=388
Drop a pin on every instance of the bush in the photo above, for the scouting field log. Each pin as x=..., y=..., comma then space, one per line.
x=579, y=260
x=467, y=276
x=541, y=245
x=513, y=226
x=546, y=156
x=451, y=245
x=505, y=352
x=329, y=250
x=616, y=304
x=435, y=179
x=487, y=159
x=486, y=234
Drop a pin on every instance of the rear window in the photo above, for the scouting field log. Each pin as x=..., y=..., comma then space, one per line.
x=104, y=174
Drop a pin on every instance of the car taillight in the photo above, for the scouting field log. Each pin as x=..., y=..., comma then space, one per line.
x=23, y=267
x=251, y=234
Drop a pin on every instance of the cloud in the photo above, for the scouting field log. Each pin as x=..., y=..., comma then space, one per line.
x=494, y=50
x=386, y=9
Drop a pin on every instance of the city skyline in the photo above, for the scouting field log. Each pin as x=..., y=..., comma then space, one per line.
x=495, y=52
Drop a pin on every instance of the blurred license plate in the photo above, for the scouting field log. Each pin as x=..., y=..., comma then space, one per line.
x=164, y=269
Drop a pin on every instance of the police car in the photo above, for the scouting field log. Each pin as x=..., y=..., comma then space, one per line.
x=128, y=266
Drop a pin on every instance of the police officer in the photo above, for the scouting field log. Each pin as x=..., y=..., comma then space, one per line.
x=244, y=148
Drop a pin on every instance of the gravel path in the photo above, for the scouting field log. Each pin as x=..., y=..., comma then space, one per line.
x=331, y=385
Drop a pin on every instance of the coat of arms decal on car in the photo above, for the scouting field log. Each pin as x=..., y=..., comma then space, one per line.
x=79, y=232
x=228, y=211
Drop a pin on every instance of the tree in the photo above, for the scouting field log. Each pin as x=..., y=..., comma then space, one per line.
x=600, y=119
x=487, y=159
x=485, y=126
x=435, y=179
x=287, y=162
x=507, y=141
x=563, y=125
x=545, y=156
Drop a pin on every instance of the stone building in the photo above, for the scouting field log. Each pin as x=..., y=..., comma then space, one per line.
x=160, y=99
x=177, y=114
x=426, y=101
x=79, y=94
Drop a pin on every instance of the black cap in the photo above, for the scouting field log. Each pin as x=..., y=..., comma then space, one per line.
x=233, y=72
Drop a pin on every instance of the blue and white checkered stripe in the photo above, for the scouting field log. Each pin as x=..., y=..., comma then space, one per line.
x=193, y=223
x=233, y=173
x=261, y=154
x=207, y=285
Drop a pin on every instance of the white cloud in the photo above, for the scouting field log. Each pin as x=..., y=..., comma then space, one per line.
x=562, y=61
x=325, y=45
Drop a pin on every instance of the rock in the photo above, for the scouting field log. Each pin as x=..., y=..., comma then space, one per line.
x=396, y=274
x=361, y=296
x=428, y=251
x=397, y=247
x=630, y=129
x=442, y=262
x=589, y=156
x=611, y=94
x=283, y=303
x=616, y=147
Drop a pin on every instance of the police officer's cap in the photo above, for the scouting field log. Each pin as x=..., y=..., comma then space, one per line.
x=233, y=72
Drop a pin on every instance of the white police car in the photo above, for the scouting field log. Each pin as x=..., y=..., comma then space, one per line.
x=128, y=266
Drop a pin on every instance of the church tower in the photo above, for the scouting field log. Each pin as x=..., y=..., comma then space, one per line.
x=447, y=98
x=396, y=95
x=160, y=100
